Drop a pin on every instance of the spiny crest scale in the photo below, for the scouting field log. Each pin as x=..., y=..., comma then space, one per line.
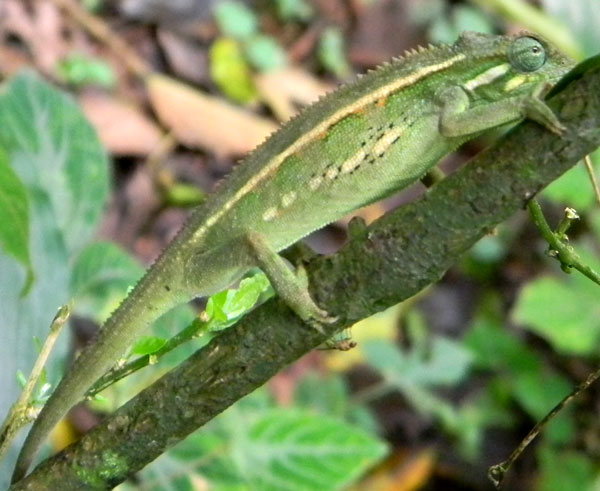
x=429, y=51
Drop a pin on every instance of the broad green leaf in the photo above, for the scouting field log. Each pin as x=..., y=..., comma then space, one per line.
x=562, y=470
x=574, y=188
x=230, y=71
x=538, y=392
x=447, y=363
x=56, y=153
x=329, y=394
x=287, y=449
x=496, y=348
x=58, y=158
x=235, y=19
x=563, y=311
x=253, y=445
x=147, y=345
x=525, y=376
x=100, y=278
x=14, y=224
x=415, y=373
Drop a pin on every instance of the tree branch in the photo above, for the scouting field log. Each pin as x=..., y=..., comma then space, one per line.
x=392, y=260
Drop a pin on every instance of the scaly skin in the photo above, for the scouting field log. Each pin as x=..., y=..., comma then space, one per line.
x=355, y=146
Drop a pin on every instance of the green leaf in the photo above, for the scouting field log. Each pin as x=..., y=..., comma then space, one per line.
x=446, y=364
x=230, y=71
x=253, y=445
x=14, y=225
x=496, y=348
x=329, y=394
x=536, y=387
x=538, y=392
x=56, y=153
x=415, y=372
x=235, y=19
x=331, y=52
x=573, y=188
x=301, y=450
x=225, y=308
x=265, y=53
x=147, y=345
x=562, y=470
x=291, y=10
x=101, y=275
x=565, y=312
x=80, y=70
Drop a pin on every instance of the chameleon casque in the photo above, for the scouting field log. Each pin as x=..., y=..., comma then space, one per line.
x=357, y=145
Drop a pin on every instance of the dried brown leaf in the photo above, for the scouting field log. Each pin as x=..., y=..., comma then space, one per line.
x=123, y=128
x=281, y=89
x=200, y=120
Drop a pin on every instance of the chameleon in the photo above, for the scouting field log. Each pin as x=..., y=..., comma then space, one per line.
x=356, y=145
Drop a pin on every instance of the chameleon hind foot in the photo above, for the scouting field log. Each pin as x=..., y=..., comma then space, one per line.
x=291, y=287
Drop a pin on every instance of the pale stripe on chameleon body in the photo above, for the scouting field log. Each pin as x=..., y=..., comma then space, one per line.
x=515, y=82
x=487, y=77
x=309, y=136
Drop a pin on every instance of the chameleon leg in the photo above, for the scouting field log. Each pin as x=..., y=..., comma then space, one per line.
x=290, y=287
x=457, y=119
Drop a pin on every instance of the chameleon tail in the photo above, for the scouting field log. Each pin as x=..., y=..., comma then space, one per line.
x=149, y=299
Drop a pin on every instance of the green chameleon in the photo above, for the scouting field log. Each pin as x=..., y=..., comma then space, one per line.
x=355, y=146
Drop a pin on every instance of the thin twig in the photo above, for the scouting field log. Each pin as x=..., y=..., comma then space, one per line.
x=20, y=413
x=196, y=328
x=101, y=31
x=590, y=169
x=563, y=252
x=497, y=472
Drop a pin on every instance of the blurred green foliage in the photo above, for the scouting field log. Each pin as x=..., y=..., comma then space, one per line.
x=79, y=70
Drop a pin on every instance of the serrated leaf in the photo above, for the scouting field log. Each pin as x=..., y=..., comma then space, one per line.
x=147, y=345
x=14, y=222
x=298, y=450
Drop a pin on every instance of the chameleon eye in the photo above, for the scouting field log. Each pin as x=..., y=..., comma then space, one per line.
x=527, y=54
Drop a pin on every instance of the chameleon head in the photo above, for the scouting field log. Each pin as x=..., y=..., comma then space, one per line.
x=515, y=63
